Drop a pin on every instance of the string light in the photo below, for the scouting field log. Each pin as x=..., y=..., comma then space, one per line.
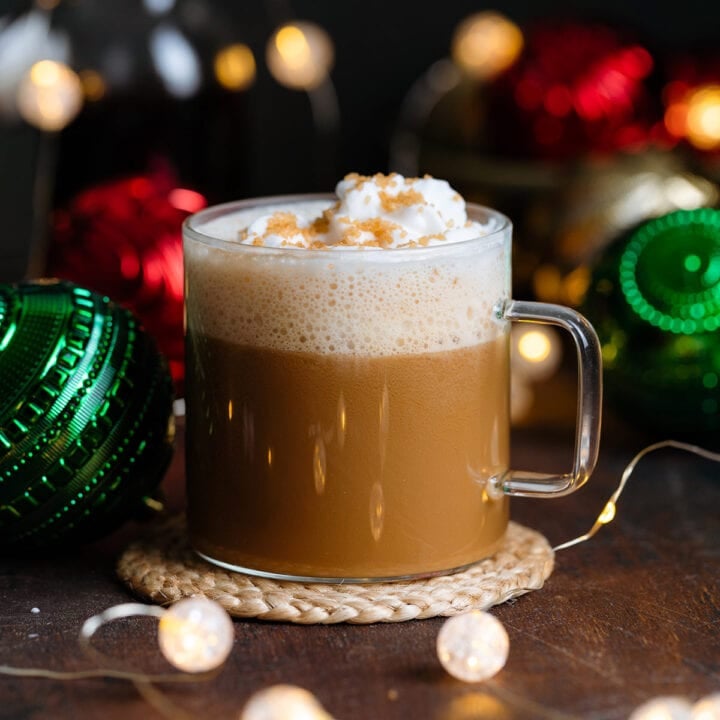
x=708, y=708
x=300, y=55
x=473, y=646
x=196, y=635
x=485, y=44
x=50, y=95
x=235, y=67
x=284, y=702
x=663, y=708
x=609, y=510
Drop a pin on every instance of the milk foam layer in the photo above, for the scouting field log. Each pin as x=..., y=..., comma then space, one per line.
x=369, y=302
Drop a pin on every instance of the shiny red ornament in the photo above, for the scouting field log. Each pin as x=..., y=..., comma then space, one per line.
x=577, y=89
x=123, y=239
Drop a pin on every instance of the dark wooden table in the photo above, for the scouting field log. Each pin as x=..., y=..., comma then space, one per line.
x=630, y=615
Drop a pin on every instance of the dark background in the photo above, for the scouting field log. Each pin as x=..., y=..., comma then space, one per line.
x=264, y=141
x=382, y=47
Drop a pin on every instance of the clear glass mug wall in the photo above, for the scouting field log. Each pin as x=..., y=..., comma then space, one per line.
x=348, y=411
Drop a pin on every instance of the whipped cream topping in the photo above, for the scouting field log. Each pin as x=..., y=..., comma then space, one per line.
x=382, y=211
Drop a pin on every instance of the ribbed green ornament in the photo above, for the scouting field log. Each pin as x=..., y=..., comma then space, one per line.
x=86, y=424
x=654, y=299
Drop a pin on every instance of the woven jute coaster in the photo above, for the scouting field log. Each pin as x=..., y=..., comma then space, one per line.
x=163, y=568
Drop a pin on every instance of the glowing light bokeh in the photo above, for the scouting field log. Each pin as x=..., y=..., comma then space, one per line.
x=485, y=44
x=300, y=55
x=93, y=85
x=235, y=67
x=50, y=95
x=534, y=346
x=536, y=352
x=703, y=117
x=175, y=60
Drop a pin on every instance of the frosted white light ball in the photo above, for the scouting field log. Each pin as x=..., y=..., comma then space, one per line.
x=707, y=708
x=284, y=702
x=473, y=646
x=663, y=708
x=196, y=635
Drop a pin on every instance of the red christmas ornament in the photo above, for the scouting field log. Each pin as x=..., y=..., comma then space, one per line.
x=123, y=239
x=576, y=89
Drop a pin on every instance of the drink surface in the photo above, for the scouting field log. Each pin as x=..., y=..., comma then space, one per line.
x=347, y=403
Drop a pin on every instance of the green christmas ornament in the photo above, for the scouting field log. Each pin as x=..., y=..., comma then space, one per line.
x=654, y=300
x=86, y=424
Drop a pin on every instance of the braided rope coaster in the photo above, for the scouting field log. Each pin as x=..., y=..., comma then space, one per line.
x=163, y=568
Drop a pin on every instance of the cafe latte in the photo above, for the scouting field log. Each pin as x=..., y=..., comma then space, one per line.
x=347, y=391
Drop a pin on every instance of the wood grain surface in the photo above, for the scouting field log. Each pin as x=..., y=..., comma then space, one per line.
x=632, y=614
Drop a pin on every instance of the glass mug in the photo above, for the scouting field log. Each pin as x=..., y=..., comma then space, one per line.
x=348, y=411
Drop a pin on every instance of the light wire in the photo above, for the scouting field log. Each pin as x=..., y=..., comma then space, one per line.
x=609, y=510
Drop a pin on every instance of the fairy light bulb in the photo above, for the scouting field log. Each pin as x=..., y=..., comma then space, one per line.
x=485, y=44
x=196, y=635
x=235, y=67
x=300, y=55
x=50, y=95
x=663, y=708
x=707, y=708
x=473, y=646
x=284, y=702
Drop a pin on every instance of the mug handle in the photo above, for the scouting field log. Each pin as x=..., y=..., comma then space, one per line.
x=587, y=430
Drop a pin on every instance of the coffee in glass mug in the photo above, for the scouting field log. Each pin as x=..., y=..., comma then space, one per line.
x=347, y=383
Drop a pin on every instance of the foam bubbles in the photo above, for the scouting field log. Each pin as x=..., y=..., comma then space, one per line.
x=362, y=302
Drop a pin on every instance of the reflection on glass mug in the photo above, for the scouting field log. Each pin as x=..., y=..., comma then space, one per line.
x=348, y=383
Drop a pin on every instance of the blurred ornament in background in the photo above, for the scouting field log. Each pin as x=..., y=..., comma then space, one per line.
x=569, y=139
x=300, y=55
x=601, y=200
x=576, y=88
x=123, y=239
x=654, y=299
x=86, y=424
